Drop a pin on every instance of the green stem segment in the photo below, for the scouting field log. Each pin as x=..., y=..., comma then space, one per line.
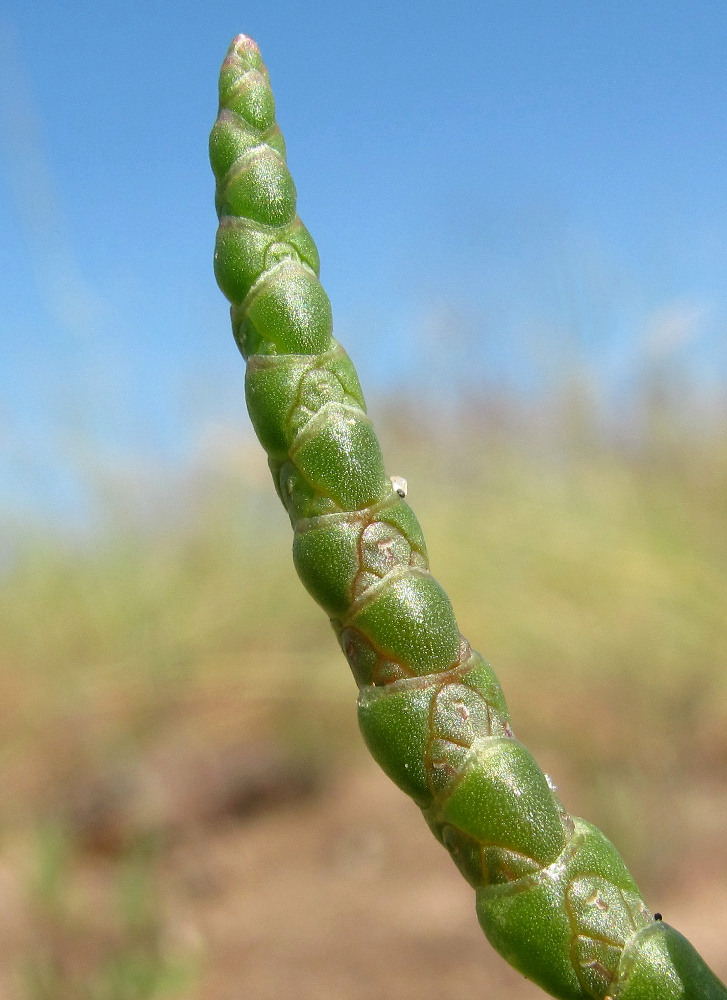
x=553, y=895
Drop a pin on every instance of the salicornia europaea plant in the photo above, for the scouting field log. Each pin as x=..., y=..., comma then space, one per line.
x=553, y=895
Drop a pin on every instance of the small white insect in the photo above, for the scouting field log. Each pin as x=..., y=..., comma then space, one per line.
x=399, y=484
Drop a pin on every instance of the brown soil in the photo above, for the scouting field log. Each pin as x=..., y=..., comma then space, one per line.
x=346, y=895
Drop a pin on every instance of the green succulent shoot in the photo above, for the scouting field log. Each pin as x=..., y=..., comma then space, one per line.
x=553, y=895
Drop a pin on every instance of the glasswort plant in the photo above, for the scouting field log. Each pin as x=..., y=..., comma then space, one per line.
x=554, y=897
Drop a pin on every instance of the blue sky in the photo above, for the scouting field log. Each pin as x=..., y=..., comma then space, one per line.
x=499, y=191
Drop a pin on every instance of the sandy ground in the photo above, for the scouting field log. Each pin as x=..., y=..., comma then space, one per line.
x=332, y=891
x=351, y=897
x=346, y=894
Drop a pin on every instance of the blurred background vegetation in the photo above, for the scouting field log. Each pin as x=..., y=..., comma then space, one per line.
x=178, y=727
x=521, y=213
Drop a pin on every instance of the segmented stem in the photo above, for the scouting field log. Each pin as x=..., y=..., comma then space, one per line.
x=553, y=895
